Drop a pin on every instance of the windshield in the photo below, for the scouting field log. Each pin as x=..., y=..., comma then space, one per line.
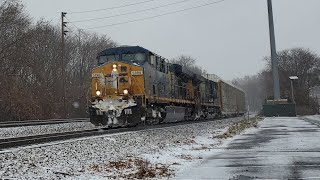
x=107, y=58
x=134, y=58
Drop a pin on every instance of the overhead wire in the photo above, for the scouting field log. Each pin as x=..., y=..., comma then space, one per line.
x=151, y=17
x=134, y=12
x=71, y=30
x=70, y=22
x=115, y=7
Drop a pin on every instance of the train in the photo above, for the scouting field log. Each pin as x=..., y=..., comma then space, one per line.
x=132, y=85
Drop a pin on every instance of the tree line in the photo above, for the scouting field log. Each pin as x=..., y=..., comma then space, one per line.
x=300, y=62
x=31, y=66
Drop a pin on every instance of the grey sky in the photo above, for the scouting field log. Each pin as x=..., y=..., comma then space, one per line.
x=229, y=39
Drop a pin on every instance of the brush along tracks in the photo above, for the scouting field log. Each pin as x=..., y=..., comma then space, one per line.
x=239, y=127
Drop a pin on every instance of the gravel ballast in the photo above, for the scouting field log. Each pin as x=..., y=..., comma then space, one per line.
x=75, y=159
x=44, y=129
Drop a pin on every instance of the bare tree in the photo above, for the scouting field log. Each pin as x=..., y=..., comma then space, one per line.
x=292, y=62
x=31, y=71
x=302, y=63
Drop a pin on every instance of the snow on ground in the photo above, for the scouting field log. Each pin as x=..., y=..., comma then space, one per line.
x=98, y=157
x=44, y=129
x=281, y=148
x=313, y=117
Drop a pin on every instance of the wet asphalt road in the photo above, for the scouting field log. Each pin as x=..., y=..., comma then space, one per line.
x=282, y=148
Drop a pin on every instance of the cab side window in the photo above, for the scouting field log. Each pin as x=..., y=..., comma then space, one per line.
x=158, y=63
x=162, y=66
x=153, y=60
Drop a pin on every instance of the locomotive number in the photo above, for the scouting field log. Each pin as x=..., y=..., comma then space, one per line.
x=128, y=111
x=97, y=75
x=135, y=73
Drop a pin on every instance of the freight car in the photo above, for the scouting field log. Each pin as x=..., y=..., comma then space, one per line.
x=133, y=85
x=231, y=99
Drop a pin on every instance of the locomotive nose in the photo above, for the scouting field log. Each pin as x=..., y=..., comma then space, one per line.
x=119, y=78
x=112, y=79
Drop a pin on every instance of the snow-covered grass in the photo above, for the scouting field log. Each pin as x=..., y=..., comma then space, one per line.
x=166, y=150
x=313, y=117
x=44, y=129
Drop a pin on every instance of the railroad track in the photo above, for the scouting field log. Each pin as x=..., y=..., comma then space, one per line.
x=45, y=138
x=7, y=124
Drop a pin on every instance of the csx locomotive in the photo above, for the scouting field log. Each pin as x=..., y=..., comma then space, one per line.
x=133, y=85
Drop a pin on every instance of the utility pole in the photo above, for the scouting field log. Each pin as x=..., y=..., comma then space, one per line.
x=274, y=58
x=63, y=33
x=292, y=95
x=317, y=104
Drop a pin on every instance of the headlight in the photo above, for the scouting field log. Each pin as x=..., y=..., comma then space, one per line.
x=114, y=67
x=125, y=92
x=98, y=93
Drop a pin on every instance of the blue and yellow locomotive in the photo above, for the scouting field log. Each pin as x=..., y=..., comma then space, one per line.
x=133, y=85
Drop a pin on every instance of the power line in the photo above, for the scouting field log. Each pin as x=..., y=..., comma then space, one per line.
x=73, y=24
x=151, y=17
x=79, y=30
x=115, y=7
x=134, y=12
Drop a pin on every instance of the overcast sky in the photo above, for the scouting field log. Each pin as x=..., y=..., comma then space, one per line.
x=229, y=39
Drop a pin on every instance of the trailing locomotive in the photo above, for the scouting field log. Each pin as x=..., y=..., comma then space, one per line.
x=133, y=85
